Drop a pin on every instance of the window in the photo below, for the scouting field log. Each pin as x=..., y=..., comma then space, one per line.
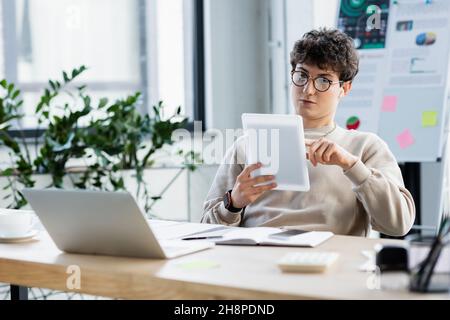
x=170, y=45
x=128, y=46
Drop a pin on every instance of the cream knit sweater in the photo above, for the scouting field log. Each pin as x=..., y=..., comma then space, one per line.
x=369, y=195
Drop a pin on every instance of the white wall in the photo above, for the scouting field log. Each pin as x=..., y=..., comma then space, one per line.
x=279, y=58
x=290, y=19
x=247, y=54
x=236, y=64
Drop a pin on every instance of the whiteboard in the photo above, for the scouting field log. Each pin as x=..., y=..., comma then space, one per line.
x=401, y=90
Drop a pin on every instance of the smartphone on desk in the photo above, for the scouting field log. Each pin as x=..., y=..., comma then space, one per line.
x=285, y=235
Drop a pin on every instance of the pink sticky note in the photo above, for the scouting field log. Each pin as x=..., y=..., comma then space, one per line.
x=405, y=139
x=389, y=104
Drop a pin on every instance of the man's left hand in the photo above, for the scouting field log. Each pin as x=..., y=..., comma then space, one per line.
x=329, y=153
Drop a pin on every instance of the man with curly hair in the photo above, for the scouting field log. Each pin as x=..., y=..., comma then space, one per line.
x=356, y=184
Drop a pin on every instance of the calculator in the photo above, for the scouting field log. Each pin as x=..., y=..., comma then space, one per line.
x=307, y=261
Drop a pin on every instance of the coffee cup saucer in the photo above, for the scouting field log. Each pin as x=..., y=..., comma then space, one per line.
x=22, y=238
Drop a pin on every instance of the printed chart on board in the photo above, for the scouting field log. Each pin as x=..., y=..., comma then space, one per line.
x=359, y=110
x=401, y=90
x=415, y=95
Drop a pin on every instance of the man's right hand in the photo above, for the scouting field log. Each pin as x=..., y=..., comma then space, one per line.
x=244, y=190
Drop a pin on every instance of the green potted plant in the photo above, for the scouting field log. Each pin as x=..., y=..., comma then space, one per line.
x=121, y=139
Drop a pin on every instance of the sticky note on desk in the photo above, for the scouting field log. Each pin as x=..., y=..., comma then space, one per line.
x=198, y=265
x=405, y=139
x=429, y=118
x=389, y=104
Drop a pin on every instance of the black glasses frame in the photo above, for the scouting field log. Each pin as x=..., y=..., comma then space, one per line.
x=330, y=83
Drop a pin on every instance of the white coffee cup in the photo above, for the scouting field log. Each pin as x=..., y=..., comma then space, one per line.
x=16, y=223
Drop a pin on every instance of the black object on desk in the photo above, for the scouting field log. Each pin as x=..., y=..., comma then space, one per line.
x=392, y=265
x=421, y=276
x=392, y=258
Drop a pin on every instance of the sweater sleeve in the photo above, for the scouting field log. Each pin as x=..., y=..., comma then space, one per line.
x=231, y=166
x=378, y=184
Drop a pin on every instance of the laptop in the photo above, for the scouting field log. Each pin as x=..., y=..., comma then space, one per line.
x=103, y=223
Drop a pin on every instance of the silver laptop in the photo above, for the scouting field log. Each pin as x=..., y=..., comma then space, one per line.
x=105, y=223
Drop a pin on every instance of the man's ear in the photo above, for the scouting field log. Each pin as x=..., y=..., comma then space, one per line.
x=346, y=87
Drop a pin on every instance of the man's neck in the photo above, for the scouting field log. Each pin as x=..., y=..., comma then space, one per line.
x=317, y=123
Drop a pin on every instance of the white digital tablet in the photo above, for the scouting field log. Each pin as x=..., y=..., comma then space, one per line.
x=277, y=141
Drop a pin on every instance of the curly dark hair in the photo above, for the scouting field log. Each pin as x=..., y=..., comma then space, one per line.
x=327, y=48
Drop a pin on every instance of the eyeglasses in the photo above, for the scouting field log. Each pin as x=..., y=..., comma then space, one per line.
x=321, y=84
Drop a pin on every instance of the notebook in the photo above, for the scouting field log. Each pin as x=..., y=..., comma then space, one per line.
x=261, y=236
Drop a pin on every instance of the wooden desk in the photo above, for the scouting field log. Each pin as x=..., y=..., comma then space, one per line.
x=242, y=273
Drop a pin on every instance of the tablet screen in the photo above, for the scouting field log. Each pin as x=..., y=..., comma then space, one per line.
x=277, y=141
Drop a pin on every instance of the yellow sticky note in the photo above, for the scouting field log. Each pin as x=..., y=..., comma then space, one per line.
x=429, y=118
